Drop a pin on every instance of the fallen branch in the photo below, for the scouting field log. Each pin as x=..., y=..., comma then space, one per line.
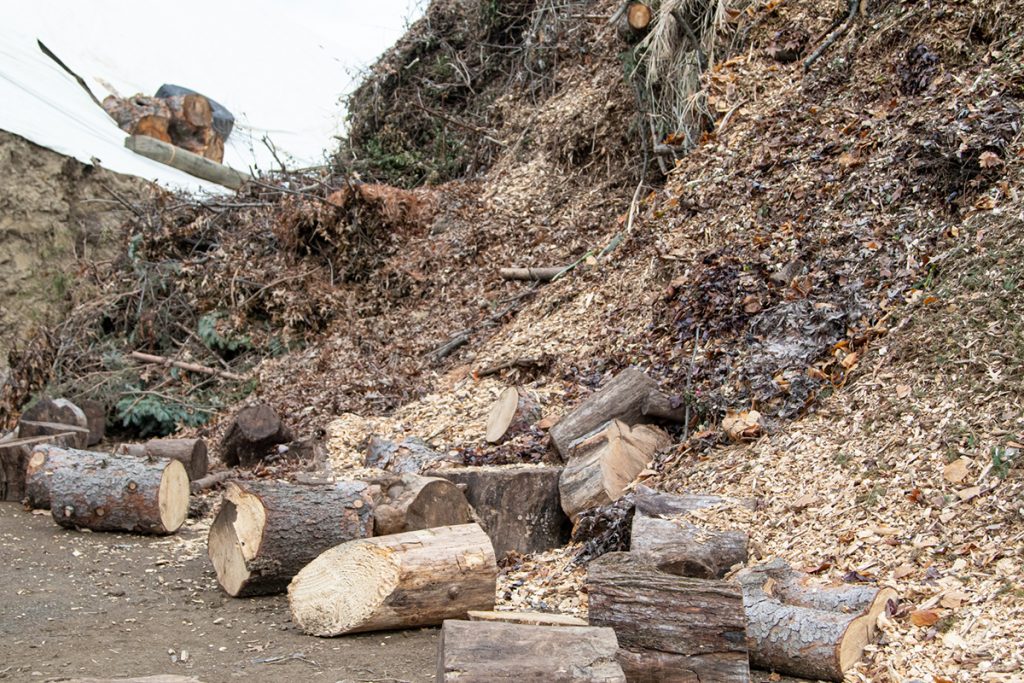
x=836, y=35
x=209, y=481
x=510, y=364
x=538, y=274
x=190, y=367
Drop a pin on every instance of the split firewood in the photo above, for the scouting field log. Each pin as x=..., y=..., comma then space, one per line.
x=96, y=421
x=527, y=618
x=409, y=502
x=669, y=627
x=30, y=430
x=602, y=465
x=14, y=457
x=631, y=397
x=419, y=578
x=266, y=531
x=474, y=652
x=513, y=413
x=191, y=453
x=517, y=505
x=104, y=492
x=252, y=435
x=662, y=536
x=410, y=455
x=816, y=632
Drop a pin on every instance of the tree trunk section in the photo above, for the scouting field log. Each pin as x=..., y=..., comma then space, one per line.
x=14, y=458
x=186, y=161
x=411, y=455
x=266, y=531
x=631, y=397
x=527, y=618
x=31, y=430
x=191, y=453
x=475, y=652
x=419, y=578
x=410, y=503
x=670, y=628
x=512, y=414
x=518, y=506
x=602, y=465
x=113, y=493
x=252, y=435
x=96, y=419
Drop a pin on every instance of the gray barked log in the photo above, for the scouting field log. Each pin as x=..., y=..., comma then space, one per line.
x=192, y=453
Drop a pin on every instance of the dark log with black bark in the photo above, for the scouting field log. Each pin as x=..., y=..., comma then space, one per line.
x=14, y=456
x=670, y=628
x=630, y=397
x=252, y=435
x=104, y=492
x=30, y=430
x=665, y=536
x=518, y=506
x=409, y=502
x=816, y=632
x=96, y=421
x=266, y=531
x=192, y=453
x=512, y=414
x=475, y=652
x=410, y=455
x=419, y=578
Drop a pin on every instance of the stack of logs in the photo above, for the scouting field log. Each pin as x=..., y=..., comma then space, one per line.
x=185, y=121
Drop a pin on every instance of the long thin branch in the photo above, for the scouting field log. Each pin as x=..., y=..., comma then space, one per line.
x=839, y=33
x=190, y=367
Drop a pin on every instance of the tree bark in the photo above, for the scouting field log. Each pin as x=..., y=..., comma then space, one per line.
x=14, y=457
x=527, y=618
x=410, y=502
x=411, y=455
x=419, y=578
x=253, y=433
x=602, y=465
x=512, y=414
x=518, y=506
x=475, y=652
x=96, y=419
x=630, y=397
x=30, y=430
x=113, y=493
x=806, y=631
x=266, y=531
x=670, y=628
x=191, y=453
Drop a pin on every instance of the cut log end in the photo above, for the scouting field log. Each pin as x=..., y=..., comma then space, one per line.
x=638, y=15
x=502, y=412
x=173, y=496
x=862, y=631
x=235, y=537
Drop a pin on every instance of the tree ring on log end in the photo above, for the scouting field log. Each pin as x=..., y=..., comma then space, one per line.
x=173, y=497
x=237, y=533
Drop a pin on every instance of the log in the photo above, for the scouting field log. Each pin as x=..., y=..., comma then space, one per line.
x=797, y=629
x=253, y=432
x=475, y=652
x=419, y=578
x=14, y=457
x=670, y=628
x=527, y=618
x=630, y=397
x=602, y=465
x=534, y=274
x=209, y=481
x=635, y=22
x=29, y=430
x=56, y=411
x=182, y=365
x=410, y=502
x=96, y=420
x=104, y=492
x=512, y=414
x=518, y=506
x=186, y=161
x=191, y=126
x=191, y=453
x=266, y=531
x=662, y=536
x=411, y=455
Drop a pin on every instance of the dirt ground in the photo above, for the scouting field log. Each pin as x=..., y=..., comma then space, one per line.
x=83, y=604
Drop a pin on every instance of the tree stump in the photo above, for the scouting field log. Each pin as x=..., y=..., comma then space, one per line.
x=410, y=502
x=14, y=457
x=477, y=652
x=419, y=578
x=512, y=414
x=266, y=531
x=518, y=506
x=191, y=453
x=670, y=628
x=252, y=435
x=411, y=455
x=113, y=493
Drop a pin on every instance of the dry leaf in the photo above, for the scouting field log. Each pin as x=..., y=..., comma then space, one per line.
x=956, y=471
x=924, y=617
x=742, y=425
x=902, y=391
x=969, y=494
x=953, y=599
x=989, y=160
x=903, y=571
x=850, y=360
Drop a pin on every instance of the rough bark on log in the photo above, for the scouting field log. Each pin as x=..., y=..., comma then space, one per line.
x=30, y=430
x=630, y=397
x=410, y=502
x=96, y=419
x=14, y=457
x=810, y=632
x=518, y=505
x=419, y=578
x=57, y=411
x=527, y=618
x=104, y=492
x=474, y=652
x=192, y=453
x=670, y=628
x=266, y=531
x=411, y=455
x=253, y=433
x=186, y=161
x=603, y=464
x=513, y=413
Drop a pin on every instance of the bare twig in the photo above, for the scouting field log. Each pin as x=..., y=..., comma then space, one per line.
x=190, y=367
x=836, y=35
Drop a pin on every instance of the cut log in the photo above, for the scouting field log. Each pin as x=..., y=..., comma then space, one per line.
x=209, y=481
x=104, y=492
x=546, y=274
x=419, y=578
x=527, y=618
x=664, y=537
x=96, y=419
x=410, y=502
x=191, y=126
x=266, y=531
x=518, y=506
x=186, y=161
x=31, y=430
x=14, y=457
x=802, y=630
x=191, y=453
x=512, y=414
x=474, y=652
x=638, y=15
x=602, y=465
x=411, y=455
x=670, y=628
x=631, y=397
x=252, y=435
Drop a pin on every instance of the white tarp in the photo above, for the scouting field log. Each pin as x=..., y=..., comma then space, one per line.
x=279, y=67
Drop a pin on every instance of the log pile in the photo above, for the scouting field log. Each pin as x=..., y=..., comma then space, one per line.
x=185, y=121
